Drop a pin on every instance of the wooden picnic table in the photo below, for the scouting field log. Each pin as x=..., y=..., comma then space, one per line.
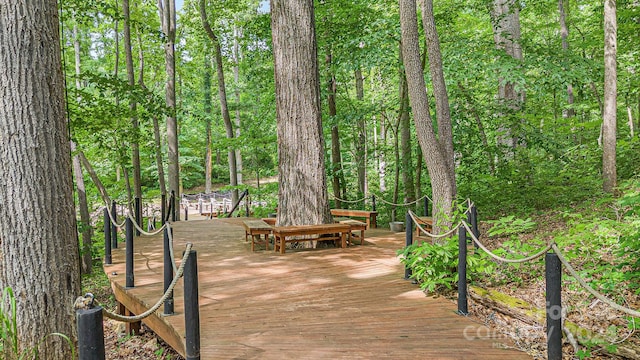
x=255, y=229
x=369, y=216
x=284, y=234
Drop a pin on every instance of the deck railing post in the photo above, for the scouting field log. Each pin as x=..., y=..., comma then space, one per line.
x=553, y=272
x=408, y=242
x=114, y=228
x=129, y=254
x=200, y=205
x=246, y=203
x=173, y=205
x=90, y=334
x=163, y=208
x=138, y=209
x=426, y=206
x=462, y=271
x=107, y=237
x=191, y=308
x=373, y=202
x=186, y=212
x=168, y=272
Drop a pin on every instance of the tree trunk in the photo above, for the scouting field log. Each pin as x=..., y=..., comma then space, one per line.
x=135, y=148
x=336, y=160
x=237, y=32
x=207, y=113
x=435, y=156
x=405, y=138
x=94, y=177
x=506, y=33
x=222, y=94
x=564, y=34
x=302, y=197
x=361, y=142
x=609, y=118
x=483, y=136
x=85, y=219
x=168, y=18
x=381, y=143
x=38, y=238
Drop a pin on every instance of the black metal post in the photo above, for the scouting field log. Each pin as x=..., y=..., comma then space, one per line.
x=186, y=213
x=408, y=242
x=90, y=334
x=129, y=253
x=373, y=202
x=173, y=206
x=163, y=208
x=138, y=209
x=553, y=271
x=107, y=238
x=426, y=206
x=246, y=203
x=191, y=308
x=114, y=228
x=168, y=273
x=463, y=308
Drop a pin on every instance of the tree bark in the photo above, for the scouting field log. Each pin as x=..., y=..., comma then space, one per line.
x=222, y=94
x=167, y=10
x=237, y=33
x=302, y=196
x=435, y=156
x=38, y=238
x=135, y=148
x=609, y=118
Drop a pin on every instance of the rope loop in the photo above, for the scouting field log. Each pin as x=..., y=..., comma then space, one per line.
x=416, y=221
x=87, y=301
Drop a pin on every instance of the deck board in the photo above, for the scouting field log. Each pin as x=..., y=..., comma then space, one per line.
x=326, y=303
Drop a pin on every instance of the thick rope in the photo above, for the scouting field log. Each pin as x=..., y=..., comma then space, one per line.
x=113, y=221
x=499, y=258
x=593, y=292
x=157, y=305
x=382, y=200
x=135, y=225
x=436, y=236
x=347, y=201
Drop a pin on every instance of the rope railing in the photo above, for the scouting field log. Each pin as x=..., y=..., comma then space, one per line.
x=380, y=198
x=347, y=201
x=502, y=259
x=554, y=259
x=81, y=302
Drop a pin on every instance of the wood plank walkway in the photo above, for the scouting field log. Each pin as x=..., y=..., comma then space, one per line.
x=310, y=304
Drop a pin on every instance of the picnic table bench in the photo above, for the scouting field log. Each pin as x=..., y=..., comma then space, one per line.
x=255, y=229
x=369, y=216
x=284, y=234
x=356, y=226
x=426, y=222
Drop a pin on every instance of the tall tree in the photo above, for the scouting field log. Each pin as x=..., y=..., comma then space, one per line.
x=439, y=164
x=505, y=17
x=206, y=89
x=302, y=197
x=609, y=117
x=222, y=95
x=39, y=262
x=135, y=148
x=361, y=148
x=167, y=10
x=405, y=137
x=563, y=6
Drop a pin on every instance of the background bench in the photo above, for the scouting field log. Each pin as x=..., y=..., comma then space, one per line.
x=284, y=234
x=255, y=229
x=368, y=216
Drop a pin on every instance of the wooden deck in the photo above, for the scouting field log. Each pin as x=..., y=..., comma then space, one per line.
x=309, y=304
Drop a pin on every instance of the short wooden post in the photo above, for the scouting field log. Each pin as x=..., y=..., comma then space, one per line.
x=553, y=272
x=200, y=205
x=107, y=238
x=191, y=308
x=129, y=254
x=168, y=273
x=463, y=308
x=408, y=242
x=114, y=228
x=90, y=334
